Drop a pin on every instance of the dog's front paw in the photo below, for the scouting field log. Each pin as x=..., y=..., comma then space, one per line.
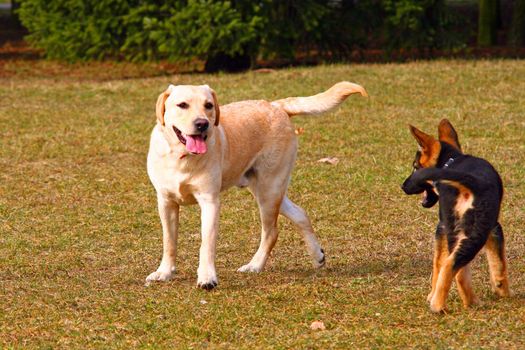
x=321, y=260
x=207, y=280
x=250, y=268
x=161, y=275
x=437, y=306
x=501, y=288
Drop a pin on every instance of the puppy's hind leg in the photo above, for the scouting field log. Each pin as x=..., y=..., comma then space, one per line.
x=464, y=283
x=495, y=251
x=465, y=249
x=298, y=216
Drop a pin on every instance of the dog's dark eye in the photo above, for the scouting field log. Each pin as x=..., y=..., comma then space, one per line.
x=208, y=105
x=183, y=105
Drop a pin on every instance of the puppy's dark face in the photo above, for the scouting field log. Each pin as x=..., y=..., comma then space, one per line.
x=429, y=196
x=427, y=156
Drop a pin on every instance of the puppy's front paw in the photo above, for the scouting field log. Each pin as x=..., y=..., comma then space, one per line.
x=250, y=268
x=501, y=288
x=160, y=275
x=436, y=306
x=207, y=280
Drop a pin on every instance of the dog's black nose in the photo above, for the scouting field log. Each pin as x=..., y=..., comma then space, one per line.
x=202, y=124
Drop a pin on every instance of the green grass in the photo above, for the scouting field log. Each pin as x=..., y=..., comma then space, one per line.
x=79, y=229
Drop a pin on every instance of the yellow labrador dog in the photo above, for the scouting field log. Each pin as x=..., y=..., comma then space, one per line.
x=198, y=150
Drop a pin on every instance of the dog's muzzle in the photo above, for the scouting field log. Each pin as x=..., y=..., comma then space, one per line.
x=195, y=144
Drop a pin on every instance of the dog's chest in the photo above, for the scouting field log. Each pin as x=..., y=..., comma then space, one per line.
x=174, y=186
x=169, y=181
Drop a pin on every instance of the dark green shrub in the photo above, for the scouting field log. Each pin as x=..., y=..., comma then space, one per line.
x=231, y=33
x=139, y=30
x=326, y=27
x=76, y=29
x=420, y=24
x=179, y=30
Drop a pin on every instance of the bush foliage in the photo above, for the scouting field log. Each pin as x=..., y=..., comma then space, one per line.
x=187, y=29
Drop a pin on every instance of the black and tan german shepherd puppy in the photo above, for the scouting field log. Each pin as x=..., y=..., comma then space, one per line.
x=469, y=191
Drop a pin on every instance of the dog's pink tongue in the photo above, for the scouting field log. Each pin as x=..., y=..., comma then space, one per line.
x=196, y=144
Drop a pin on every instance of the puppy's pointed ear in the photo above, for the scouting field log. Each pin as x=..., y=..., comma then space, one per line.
x=216, y=105
x=160, y=108
x=424, y=140
x=429, y=146
x=448, y=134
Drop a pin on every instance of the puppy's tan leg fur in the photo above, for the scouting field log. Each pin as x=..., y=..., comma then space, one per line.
x=464, y=283
x=443, y=283
x=445, y=277
x=495, y=251
x=440, y=254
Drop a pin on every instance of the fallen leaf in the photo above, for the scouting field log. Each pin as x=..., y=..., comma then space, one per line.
x=299, y=131
x=317, y=326
x=264, y=70
x=329, y=160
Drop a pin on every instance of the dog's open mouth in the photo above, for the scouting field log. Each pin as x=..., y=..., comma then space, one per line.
x=429, y=198
x=195, y=144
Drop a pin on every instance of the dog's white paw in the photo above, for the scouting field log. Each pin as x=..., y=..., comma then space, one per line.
x=250, y=268
x=160, y=275
x=320, y=261
x=207, y=279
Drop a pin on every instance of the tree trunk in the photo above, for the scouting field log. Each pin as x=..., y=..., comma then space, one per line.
x=487, y=22
x=517, y=31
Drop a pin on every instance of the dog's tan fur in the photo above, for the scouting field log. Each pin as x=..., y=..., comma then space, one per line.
x=248, y=144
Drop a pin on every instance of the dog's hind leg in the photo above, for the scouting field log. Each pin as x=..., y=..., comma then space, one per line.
x=464, y=283
x=465, y=249
x=495, y=251
x=298, y=216
x=269, y=200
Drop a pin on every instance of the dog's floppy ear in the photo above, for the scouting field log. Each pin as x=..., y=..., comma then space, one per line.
x=160, y=108
x=216, y=106
x=448, y=134
x=429, y=146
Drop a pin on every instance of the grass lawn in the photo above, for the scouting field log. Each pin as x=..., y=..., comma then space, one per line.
x=79, y=229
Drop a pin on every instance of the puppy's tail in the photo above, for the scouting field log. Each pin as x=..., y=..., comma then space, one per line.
x=322, y=102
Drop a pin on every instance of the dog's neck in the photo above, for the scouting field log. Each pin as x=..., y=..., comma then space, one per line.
x=448, y=155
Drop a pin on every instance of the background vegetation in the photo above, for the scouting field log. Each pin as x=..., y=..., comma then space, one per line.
x=231, y=34
x=79, y=229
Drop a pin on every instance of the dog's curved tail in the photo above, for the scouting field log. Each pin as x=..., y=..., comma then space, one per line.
x=322, y=102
